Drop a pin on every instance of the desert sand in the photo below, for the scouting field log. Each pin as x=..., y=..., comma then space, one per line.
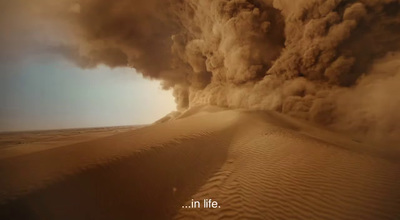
x=16, y=143
x=257, y=165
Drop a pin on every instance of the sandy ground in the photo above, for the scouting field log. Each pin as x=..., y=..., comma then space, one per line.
x=18, y=143
x=257, y=165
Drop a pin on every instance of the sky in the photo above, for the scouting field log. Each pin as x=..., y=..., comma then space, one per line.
x=44, y=92
x=41, y=89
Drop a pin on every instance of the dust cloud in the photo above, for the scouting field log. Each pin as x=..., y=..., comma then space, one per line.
x=333, y=62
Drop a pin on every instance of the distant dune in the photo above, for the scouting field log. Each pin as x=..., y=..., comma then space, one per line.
x=256, y=165
x=24, y=142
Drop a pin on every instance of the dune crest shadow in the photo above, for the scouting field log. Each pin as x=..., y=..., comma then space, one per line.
x=150, y=184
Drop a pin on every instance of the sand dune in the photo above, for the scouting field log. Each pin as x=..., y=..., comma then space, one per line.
x=18, y=143
x=257, y=165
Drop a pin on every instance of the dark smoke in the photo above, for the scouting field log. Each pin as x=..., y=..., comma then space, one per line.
x=334, y=62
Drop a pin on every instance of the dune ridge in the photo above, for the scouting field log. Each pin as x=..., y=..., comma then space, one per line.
x=257, y=165
x=273, y=172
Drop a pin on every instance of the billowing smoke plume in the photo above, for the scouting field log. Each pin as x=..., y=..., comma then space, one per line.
x=335, y=62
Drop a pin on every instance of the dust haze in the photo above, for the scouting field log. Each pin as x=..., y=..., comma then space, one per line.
x=333, y=62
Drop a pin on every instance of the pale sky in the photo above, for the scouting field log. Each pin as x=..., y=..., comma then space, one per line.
x=46, y=93
x=40, y=89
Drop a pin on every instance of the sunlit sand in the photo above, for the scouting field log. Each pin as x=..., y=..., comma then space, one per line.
x=257, y=165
